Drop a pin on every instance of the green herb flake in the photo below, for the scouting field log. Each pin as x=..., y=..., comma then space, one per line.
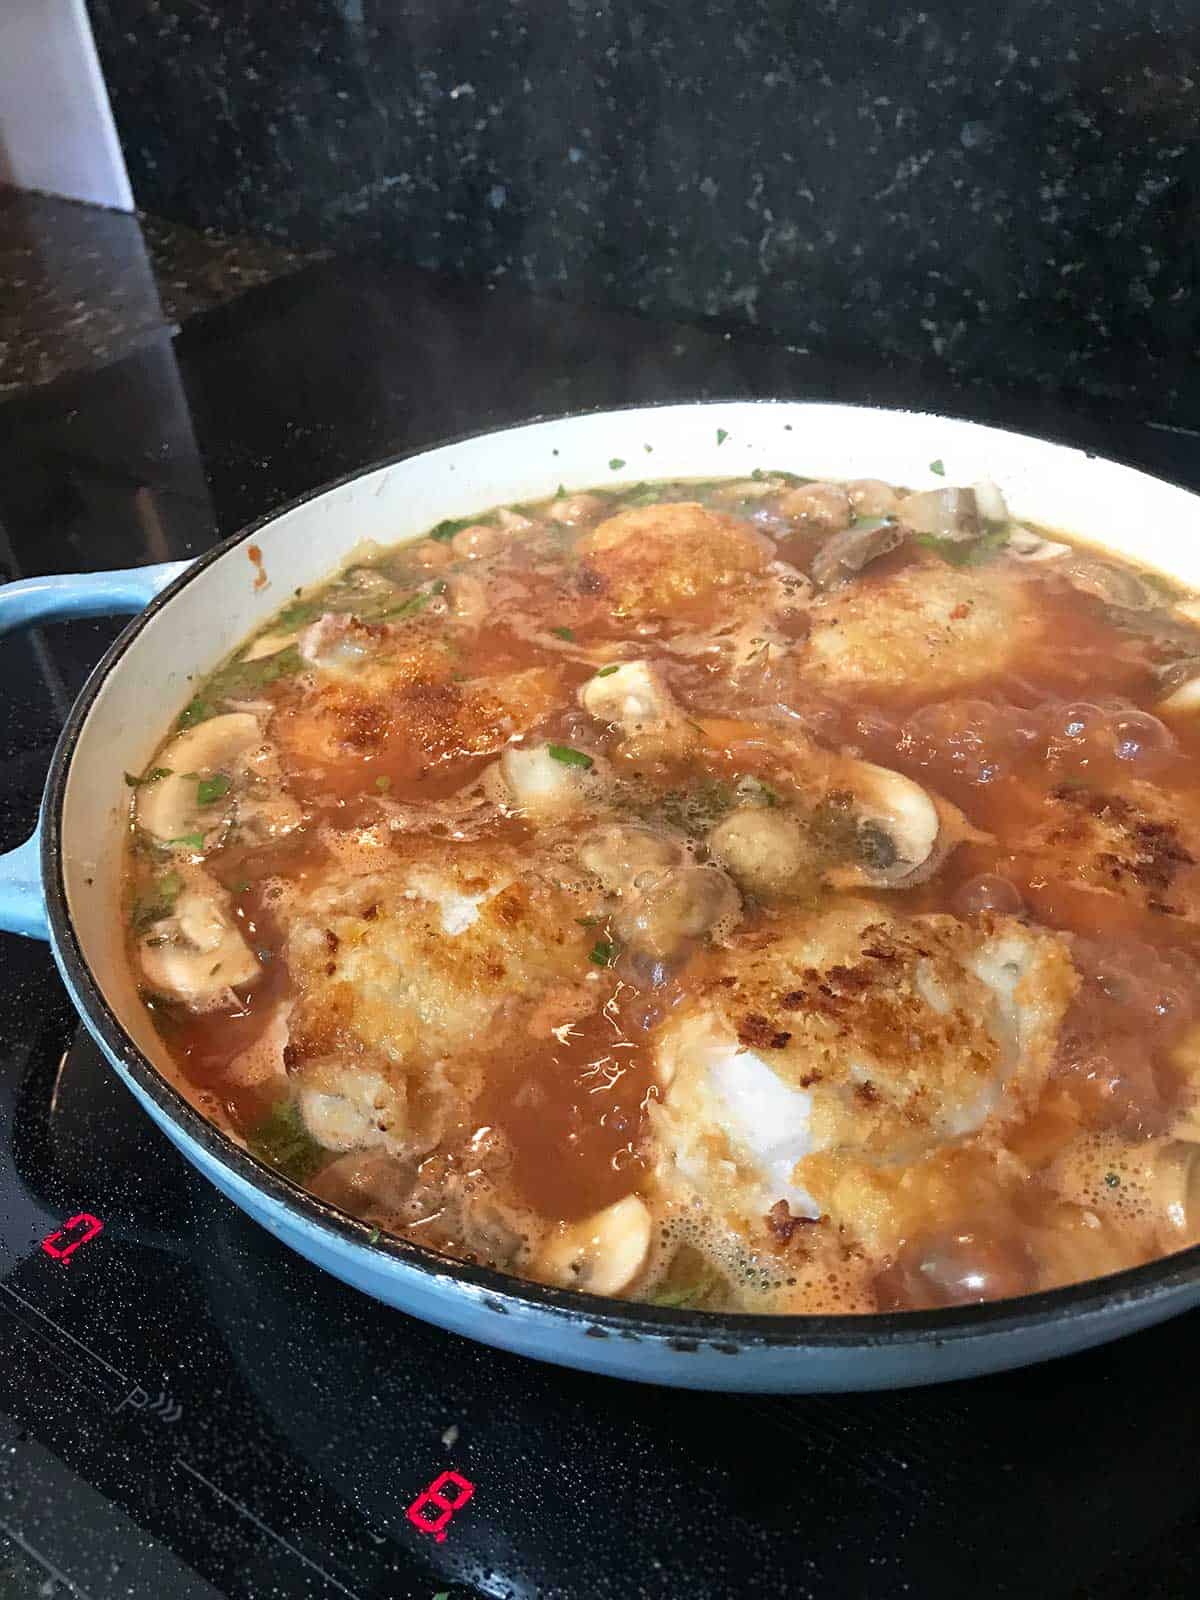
x=938, y=466
x=195, y=711
x=1112, y=1180
x=649, y=449
x=158, y=903
x=193, y=841
x=560, y=493
x=383, y=783
x=589, y=922
x=283, y=1142
x=410, y=607
x=446, y=530
x=603, y=953
x=722, y=435
x=303, y=611
x=210, y=790
x=569, y=757
x=966, y=552
x=155, y=775
x=564, y=633
x=616, y=464
x=375, y=1235
x=607, y=672
x=758, y=475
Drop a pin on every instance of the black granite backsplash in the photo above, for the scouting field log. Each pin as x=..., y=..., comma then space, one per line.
x=1005, y=191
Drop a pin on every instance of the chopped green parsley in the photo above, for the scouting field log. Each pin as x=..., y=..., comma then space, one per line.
x=446, y=530
x=283, y=1142
x=568, y=756
x=210, y=790
x=301, y=611
x=966, y=552
x=158, y=903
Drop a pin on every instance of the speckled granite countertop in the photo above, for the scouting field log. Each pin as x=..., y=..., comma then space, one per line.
x=82, y=285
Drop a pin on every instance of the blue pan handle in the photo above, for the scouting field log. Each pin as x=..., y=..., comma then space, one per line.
x=54, y=599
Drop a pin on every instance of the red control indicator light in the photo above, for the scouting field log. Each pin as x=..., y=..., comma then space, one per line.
x=432, y=1509
x=61, y=1246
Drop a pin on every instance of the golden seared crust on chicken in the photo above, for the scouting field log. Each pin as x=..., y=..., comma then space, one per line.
x=926, y=629
x=417, y=958
x=857, y=1035
x=1141, y=844
x=411, y=698
x=670, y=560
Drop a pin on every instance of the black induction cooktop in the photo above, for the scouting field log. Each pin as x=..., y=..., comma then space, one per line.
x=186, y=1409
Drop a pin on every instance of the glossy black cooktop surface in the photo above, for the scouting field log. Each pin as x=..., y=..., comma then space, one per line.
x=186, y=1409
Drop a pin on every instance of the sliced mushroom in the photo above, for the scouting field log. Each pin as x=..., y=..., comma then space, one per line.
x=431, y=555
x=635, y=698
x=904, y=833
x=477, y=540
x=850, y=551
x=543, y=786
x=269, y=644
x=766, y=851
x=604, y=1253
x=197, y=955
x=1184, y=699
x=945, y=513
x=818, y=505
x=627, y=856
x=747, y=489
x=871, y=497
x=351, y=1107
x=269, y=817
x=574, y=508
x=369, y=580
x=682, y=905
x=1116, y=586
x=989, y=502
x=262, y=1063
x=1025, y=545
x=171, y=808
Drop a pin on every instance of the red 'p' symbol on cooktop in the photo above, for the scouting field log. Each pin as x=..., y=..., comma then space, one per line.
x=60, y=1246
x=432, y=1510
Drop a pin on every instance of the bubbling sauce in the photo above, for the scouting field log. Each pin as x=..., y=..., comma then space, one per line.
x=752, y=895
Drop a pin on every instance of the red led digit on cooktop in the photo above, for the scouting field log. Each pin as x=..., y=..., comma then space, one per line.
x=76, y=1231
x=432, y=1510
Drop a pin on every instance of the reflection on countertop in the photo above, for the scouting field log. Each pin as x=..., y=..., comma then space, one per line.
x=83, y=285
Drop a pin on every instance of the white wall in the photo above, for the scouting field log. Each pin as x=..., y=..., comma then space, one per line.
x=56, y=127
